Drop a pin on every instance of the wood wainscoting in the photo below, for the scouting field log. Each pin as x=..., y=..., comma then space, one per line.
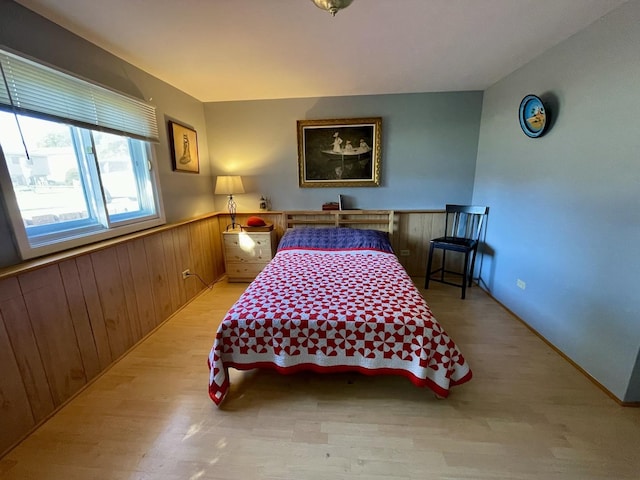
x=66, y=319
x=412, y=231
x=411, y=238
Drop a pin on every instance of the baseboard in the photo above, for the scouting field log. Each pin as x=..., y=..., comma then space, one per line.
x=562, y=354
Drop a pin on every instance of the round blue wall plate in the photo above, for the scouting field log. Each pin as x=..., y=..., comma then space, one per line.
x=532, y=115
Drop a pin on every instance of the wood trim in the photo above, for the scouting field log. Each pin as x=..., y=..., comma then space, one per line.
x=420, y=211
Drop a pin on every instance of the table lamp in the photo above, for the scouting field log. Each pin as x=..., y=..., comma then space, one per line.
x=228, y=185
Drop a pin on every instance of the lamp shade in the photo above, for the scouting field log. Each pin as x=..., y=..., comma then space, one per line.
x=229, y=185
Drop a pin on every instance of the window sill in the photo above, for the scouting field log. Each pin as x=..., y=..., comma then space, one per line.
x=49, y=259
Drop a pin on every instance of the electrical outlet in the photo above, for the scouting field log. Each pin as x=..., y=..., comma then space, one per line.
x=186, y=274
x=405, y=253
x=521, y=284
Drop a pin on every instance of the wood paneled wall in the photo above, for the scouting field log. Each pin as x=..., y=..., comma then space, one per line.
x=412, y=232
x=64, y=322
x=68, y=318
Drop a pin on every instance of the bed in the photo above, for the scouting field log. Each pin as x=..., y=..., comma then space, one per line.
x=335, y=300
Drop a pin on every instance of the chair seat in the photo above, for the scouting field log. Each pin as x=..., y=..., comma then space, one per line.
x=454, y=243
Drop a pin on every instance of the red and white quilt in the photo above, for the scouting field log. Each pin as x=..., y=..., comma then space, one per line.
x=335, y=311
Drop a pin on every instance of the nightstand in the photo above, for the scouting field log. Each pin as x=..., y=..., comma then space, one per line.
x=247, y=253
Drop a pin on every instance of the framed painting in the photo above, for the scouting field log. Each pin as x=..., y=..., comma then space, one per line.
x=184, y=148
x=339, y=153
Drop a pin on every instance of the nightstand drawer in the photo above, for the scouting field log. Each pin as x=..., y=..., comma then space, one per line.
x=247, y=253
x=243, y=271
x=247, y=240
x=253, y=255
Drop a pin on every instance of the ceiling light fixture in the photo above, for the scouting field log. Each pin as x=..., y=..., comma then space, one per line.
x=332, y=6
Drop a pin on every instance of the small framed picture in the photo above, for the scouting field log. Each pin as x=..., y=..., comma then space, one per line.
x=183, y=142
x=339, y=153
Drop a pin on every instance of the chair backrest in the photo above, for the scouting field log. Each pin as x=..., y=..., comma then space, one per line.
x=465, y=221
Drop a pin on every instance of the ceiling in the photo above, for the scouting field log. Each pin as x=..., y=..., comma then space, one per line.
x=221, y=50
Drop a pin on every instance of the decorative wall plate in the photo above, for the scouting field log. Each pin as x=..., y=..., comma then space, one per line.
x=532, y=115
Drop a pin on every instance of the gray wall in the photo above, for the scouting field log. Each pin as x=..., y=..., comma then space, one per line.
x=565, y=214
x=429, y=146
x=184, y=195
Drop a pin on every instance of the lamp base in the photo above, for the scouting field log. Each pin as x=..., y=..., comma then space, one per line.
x=231, y=205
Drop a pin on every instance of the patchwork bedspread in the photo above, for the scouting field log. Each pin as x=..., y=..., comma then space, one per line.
x=334, y=311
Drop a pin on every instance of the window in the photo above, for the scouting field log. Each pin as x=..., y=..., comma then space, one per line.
x=77, y=166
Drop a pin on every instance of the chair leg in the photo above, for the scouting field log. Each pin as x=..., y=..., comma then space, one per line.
x=473, y=265
x=429, y=262
x=465, y=274
x=444, y=263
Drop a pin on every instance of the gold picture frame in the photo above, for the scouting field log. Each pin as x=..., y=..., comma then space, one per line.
x=184, y=148
x=339, y=152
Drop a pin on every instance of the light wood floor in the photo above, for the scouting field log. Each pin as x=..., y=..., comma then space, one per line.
x=527, y=414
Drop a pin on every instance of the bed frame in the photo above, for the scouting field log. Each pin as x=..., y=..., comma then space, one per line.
x=296, y=314
x=370, y=219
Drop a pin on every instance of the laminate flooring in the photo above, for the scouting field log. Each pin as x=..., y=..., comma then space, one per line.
x=527, y=414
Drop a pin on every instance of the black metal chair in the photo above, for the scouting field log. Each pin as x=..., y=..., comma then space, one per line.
x=463, y=225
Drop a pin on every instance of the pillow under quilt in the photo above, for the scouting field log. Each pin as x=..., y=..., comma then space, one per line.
x=340, y=238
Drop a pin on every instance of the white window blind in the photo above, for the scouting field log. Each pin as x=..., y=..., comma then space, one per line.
x=31, y=88
x=4, y=95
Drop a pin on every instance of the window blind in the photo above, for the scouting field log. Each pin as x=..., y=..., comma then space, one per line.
x=4, y=94
x=29, y=87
